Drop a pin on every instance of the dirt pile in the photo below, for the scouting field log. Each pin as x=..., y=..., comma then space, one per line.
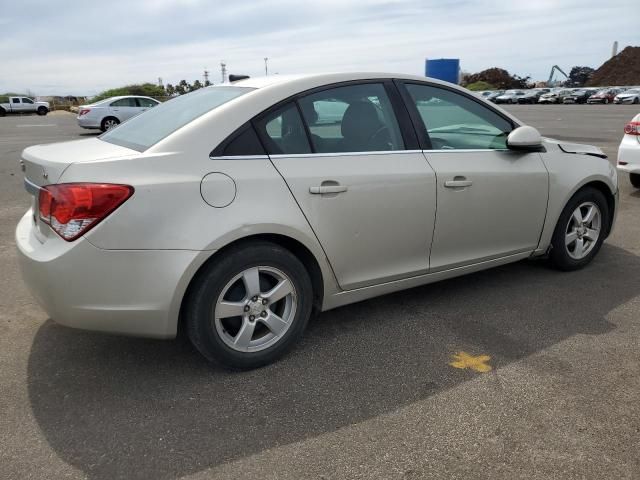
x=623, y=69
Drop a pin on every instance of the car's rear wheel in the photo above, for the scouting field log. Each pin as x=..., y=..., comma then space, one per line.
x=250, y=306
x=42, y=111
x=606, y=101
x=636, y=100
x=2, y=112
x=580, y=231
x=108, y=123
x=635, y=179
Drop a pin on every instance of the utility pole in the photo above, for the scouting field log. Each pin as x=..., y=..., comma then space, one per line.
x=206, y=76
x=160, y=82
x=266, y=67
x=223, y=71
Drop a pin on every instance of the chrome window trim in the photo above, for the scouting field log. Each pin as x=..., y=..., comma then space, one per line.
x=458, y=150
x=239, y=157
x=345, y=154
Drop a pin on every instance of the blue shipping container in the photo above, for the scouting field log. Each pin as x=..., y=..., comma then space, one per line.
x=447, y=69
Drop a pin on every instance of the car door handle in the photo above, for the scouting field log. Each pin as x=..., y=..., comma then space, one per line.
x=328, y=189
x=458, y=183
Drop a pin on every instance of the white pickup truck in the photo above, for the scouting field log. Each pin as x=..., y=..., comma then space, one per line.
x=22, y=105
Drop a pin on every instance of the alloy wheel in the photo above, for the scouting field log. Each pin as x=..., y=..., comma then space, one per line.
x=255, y=309
x=583, y=230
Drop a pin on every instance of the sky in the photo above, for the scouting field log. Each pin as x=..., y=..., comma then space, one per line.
x=83, y=47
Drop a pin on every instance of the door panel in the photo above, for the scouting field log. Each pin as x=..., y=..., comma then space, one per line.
x=373, y=213
x=490, y=204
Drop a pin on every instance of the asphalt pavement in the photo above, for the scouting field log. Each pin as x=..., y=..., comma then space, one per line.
x=516, y=372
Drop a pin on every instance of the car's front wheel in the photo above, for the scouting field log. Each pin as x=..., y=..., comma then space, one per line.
x=635, y=179
x=249, y=306
x=580, y=230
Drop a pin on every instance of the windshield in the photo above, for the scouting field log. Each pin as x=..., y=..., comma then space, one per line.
x=633, y=91
x=148, y=128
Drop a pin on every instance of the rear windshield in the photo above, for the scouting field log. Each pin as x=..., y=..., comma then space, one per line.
x=148, y=128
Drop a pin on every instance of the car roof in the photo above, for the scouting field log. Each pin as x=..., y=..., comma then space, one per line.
x=321, y=79
x=112, y=99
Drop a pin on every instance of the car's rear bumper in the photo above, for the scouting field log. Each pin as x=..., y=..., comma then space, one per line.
x=132, y=292
x=88, y=122
x=629, y=154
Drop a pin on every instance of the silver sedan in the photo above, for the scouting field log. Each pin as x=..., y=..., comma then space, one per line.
x=235, y=211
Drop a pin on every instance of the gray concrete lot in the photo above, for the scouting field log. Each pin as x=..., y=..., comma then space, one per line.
x=370, y=393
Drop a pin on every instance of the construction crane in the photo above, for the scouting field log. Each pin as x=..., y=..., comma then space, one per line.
x=550, y=82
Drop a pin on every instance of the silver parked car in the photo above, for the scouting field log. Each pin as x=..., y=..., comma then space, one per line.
x=110, y=112
x=236, y=210
x=631, y=95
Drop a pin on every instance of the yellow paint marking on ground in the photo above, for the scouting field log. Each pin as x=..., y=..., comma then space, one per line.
x=477, y=364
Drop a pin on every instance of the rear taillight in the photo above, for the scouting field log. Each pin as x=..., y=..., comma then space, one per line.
x=84, y=111
x=632, y=128
x=72, y=209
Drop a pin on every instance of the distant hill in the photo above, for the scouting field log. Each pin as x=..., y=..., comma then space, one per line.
x=623, y=69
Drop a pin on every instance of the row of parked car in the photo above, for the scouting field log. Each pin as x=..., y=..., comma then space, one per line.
x=626, y=95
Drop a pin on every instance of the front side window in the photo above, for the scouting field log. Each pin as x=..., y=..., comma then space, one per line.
x=27, y=100
x=354, y=118
x=283, y=131
x=146, y=102
x=148, y=128
x=455, y=122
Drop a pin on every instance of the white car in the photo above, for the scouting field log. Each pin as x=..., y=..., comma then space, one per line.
x=10, y=105
x=109, y=113
x=510, y=96
x=629, y=151
x=628, y=96
x=234, y=211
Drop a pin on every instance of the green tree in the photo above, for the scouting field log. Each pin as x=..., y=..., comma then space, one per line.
x=170, y=89
x=479, y=86
x=499, y=78
x=579, y=76
x=196, y=85
x=183, y=87
x=146, y=89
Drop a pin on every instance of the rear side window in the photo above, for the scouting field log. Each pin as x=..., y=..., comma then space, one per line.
x=148, y=128
x=453, y=121
x=283, y=131
x=354, y=118
x=244, y=141
x=124, y=102
x=15, y=100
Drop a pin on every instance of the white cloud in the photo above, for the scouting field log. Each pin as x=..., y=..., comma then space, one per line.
x=85, y=48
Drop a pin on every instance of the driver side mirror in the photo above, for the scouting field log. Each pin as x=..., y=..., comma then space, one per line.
x=526, y=139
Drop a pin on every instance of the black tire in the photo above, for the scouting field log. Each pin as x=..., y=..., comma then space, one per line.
x=635, y=179
x=42, y=111
x=636, y=101
x=606, y=101
x=559, y=255
x=105, y=122
x=2, y=112
x=209, y=285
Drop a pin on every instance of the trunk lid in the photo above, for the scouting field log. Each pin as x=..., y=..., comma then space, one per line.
x=45, y=164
